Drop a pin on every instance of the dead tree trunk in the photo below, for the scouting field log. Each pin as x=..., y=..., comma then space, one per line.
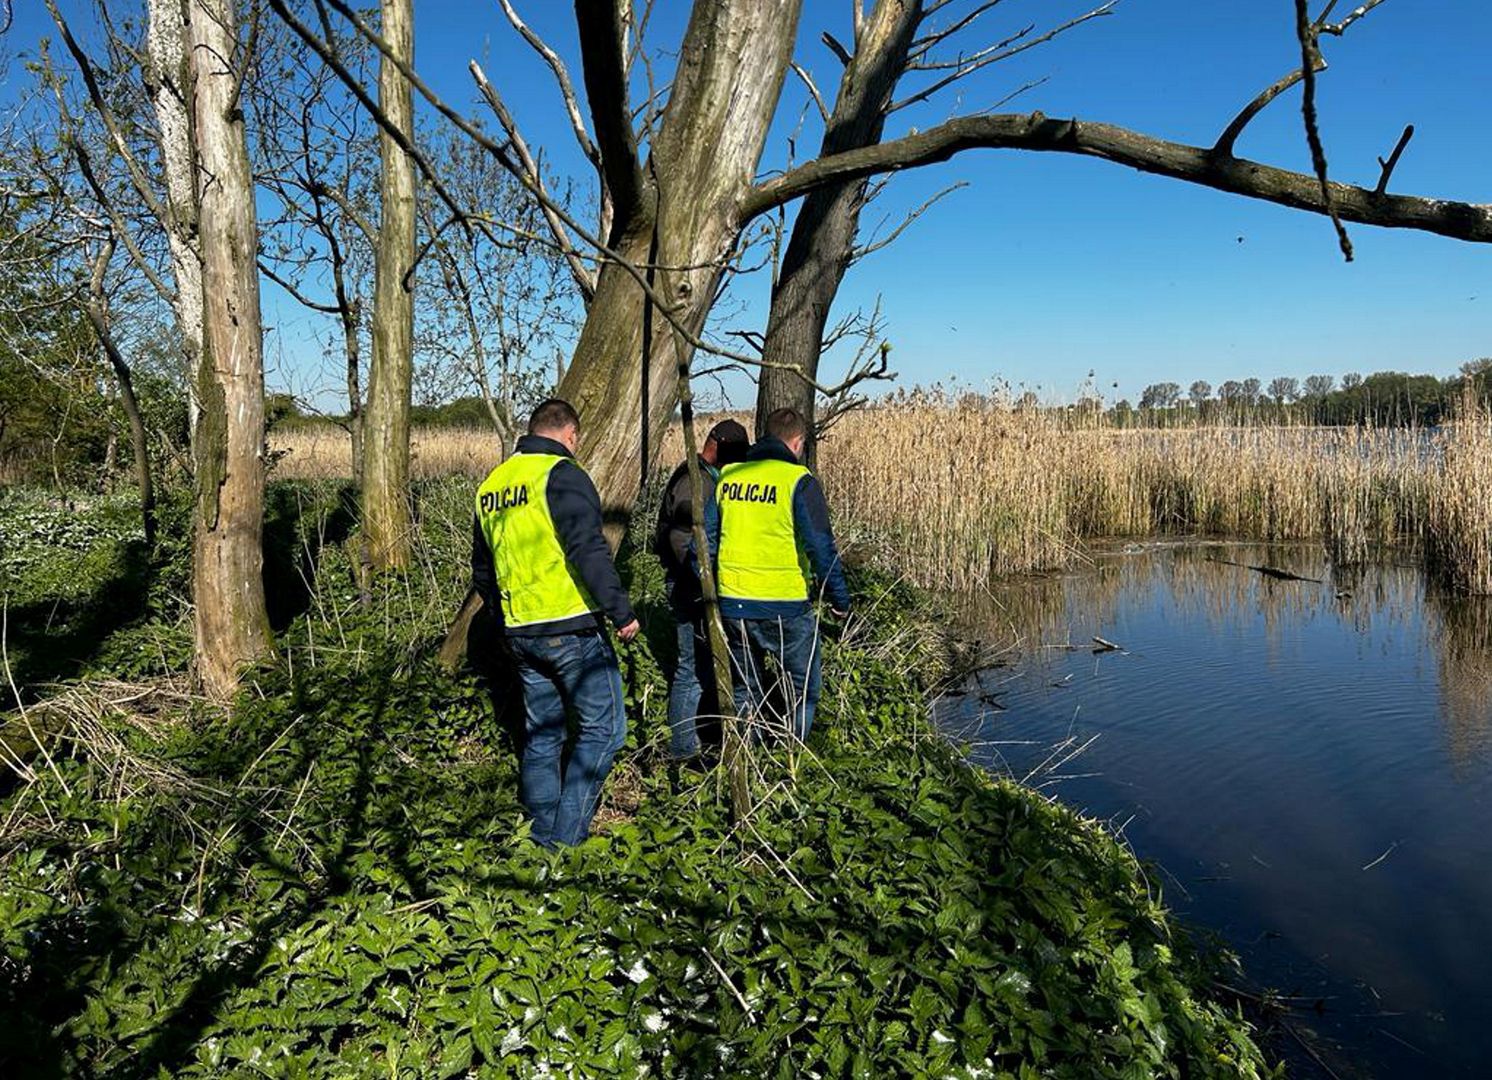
x=725, y=92
x=385, y=424
x=232, y=626
x=823, y=238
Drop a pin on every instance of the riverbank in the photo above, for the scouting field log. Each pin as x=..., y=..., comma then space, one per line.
x=334, y=879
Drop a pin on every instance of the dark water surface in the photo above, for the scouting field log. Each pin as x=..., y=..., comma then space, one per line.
x=1308, y=763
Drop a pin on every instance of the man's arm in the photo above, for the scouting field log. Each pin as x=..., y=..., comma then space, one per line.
x=483, y=569
x=575, y=508
x=712, y=531
x=811, y=518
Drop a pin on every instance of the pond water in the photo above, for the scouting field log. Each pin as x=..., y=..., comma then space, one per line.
x=1308, y=763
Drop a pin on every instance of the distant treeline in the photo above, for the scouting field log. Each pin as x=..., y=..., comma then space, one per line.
x=1382, y=399
x=282, y=411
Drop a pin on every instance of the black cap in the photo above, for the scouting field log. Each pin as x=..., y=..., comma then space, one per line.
x=729, y=431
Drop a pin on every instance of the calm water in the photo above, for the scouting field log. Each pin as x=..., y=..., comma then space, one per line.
x=1308, y=763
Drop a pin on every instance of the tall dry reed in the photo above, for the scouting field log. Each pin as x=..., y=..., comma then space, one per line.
x=965, y=491
x=324, y=452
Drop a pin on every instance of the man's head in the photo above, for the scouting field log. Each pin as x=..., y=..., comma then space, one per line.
x=788, y=426
x=555, y=418
x=726, y=444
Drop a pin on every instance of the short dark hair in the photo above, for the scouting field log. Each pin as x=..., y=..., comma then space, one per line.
x=786, y=424
x=553, y=414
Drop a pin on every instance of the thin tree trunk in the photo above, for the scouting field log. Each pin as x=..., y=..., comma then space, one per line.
x=725, y=93
x=823, y=239
x=385, y=475
x=98, y=314
x=232, y=626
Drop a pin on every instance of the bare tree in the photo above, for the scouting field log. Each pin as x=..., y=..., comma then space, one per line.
x=1284, y=388
x=316, y=166
x=1199, y=392
x=892, y=42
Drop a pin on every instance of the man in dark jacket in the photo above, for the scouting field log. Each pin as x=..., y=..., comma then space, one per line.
x=768, y=527
x=693, y=676
x=539, y=557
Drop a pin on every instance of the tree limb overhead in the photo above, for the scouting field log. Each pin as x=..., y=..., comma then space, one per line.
x=1036, y=132
x=604, y=65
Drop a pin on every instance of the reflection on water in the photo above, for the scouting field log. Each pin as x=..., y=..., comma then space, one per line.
x=1309, y=762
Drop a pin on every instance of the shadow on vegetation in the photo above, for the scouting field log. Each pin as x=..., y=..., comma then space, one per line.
x=55, y=638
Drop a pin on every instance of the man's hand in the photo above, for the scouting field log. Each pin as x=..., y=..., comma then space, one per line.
x=628, y=632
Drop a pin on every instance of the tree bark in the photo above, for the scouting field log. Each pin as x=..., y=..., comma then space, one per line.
x=823, y=239
x=169, y=84
x=387, y=522
x=729, y=76
x=231, y=623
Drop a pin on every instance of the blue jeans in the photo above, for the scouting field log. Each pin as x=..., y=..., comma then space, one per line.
x=793, y=641
x=693, y=680
x=578, y=672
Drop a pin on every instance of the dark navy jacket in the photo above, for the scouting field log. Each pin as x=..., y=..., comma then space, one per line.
x=575, y=507
x=811, y=521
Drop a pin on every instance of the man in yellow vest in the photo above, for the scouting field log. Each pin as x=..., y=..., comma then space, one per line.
x=540, y=560
x=768, y=526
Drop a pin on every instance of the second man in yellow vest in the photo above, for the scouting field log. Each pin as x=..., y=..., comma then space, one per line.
x=768, y=527
x=539, y=558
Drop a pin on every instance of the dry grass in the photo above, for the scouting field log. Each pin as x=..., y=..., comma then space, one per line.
x=960, y=492
x=964, y=492
x=324, y=452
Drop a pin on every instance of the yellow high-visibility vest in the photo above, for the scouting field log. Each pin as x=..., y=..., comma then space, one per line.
x=760, y=557
x=537, y=582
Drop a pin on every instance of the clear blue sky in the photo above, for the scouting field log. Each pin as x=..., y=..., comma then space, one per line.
x=1047, y=267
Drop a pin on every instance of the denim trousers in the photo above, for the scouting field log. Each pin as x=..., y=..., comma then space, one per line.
x=692, y=682
x=579, y=674
x=793, y=642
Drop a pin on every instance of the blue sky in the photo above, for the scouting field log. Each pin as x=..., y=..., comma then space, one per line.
x=1046, y=267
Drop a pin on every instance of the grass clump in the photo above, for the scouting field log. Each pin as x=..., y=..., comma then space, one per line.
x=334, y=880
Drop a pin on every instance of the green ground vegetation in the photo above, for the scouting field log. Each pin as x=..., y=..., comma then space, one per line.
x=334, y=879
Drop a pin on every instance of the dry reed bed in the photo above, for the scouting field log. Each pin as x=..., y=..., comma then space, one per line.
x=324, y=452
x=958, y=494
x=963, y=494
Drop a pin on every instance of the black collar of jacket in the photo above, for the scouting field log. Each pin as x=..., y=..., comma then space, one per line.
x=770, y=449
x=539, y=444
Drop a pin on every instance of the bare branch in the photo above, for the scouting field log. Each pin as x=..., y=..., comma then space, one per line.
x=985, y=57
x=561, y=76
x=836, y=48
x=1310, y=53
x=585, y=281
x=922, y=44
x=1393, y=160
x=872, y=246
x=813, y=91
x=1239, y=176
x=1337, y=29
x=106, y=114
x=604, y=66
x=1229, y=137
x=295, y=294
